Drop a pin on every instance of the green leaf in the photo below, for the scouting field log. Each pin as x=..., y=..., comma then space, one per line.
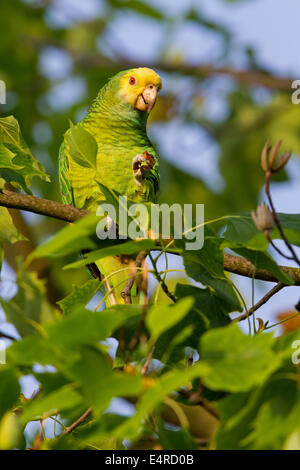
x=162, y=387
x=162, y=317
x=291, y=226
x=209, y=311
x=207, y=266
x=11, y=436
x=241, y=229
x=124, y=248
x=8, y=231
x=82, y=146
x=63, y=399
x=237, y=362
x=139, y=6
x=99, y=382
x=18, y=164
x=6, y=159
x=70, y=239
x=9, y=389
x=180, y=439
x=83, y=327
x=68, y=333
x=79, y=296
x=209, y=304
x=29, y=308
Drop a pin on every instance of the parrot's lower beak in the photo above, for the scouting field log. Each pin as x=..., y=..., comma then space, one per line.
x=147, y=99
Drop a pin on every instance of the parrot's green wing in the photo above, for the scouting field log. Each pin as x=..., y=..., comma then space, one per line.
x=64, y=182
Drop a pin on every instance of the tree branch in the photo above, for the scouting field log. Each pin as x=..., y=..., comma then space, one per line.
x=76, y=423
x=86, y=59
x=126, y=292
x=261, y=302
x=232, y=263
x=40, y=206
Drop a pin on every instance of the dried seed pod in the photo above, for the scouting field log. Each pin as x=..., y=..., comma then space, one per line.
x=263, y=219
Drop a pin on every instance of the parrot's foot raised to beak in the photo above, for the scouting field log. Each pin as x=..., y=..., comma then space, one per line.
x=141, y=164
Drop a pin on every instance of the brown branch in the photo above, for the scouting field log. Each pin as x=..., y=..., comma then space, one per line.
x=4, y=335
x=161, y=281
x=238, y=265
x=277, y=222
x=87, y=59
x=40, y=206
x=126, y=292
x=261, y=302
x=148, y=361
x=232, y=263
x=76, y=423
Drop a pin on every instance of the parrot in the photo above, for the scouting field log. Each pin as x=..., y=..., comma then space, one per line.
x=126, y=160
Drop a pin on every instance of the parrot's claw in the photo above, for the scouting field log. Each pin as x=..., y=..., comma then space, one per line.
x=141, y=164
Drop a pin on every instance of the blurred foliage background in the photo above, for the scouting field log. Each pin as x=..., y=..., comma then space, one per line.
x=220, y=99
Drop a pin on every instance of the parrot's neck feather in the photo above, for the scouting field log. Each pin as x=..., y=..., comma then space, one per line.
x=116, y=122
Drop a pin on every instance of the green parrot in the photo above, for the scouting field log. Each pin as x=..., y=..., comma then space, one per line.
x=126, y=160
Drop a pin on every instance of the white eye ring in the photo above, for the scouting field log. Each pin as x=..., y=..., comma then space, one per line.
x=132, y=81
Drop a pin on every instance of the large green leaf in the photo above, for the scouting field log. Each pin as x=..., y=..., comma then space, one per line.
x=237, y=362
x=29, y=308
x=70, y=239
x=99, y=382
x=67, y=334
x=18, y=164
x=241, y=229
x=8, y=231
x=207, y=266
x=85, y=327
x=9, y=389
x=117, y=249
x=162, y=317
x=167, y=383
x=53, y=403
x=208, y=311
x=79, y=296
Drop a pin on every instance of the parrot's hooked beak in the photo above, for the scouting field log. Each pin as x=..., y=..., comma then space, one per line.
x=147, y=99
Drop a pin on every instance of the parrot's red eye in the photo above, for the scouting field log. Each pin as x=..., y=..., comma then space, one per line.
x=132, y=81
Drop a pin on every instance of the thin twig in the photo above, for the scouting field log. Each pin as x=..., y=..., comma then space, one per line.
x=161, y=281
x=261, y=302
x=276, y=220
x=76, y=423
x=148, y=361
x=4, y=335
x=268, y=236
x=126, y=292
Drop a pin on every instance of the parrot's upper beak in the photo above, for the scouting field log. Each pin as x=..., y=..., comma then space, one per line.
x=147, y=99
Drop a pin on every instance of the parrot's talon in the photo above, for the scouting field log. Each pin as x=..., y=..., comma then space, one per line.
x=141, y=164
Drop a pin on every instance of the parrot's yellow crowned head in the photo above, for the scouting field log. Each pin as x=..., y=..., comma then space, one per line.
x=139, y=87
